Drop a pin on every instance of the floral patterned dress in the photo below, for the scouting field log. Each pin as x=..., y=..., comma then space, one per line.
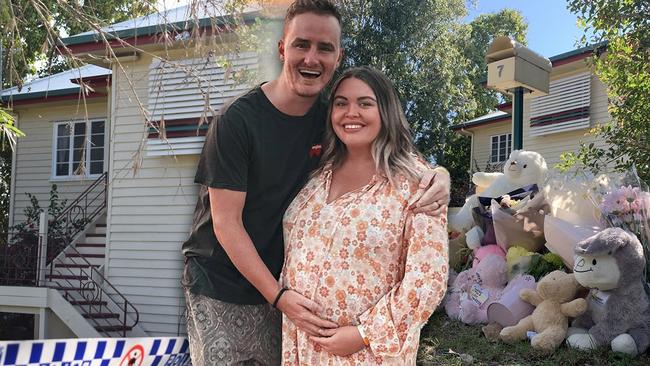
x=370, y=262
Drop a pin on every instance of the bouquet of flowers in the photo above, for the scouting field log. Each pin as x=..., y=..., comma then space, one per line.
x=624, y=201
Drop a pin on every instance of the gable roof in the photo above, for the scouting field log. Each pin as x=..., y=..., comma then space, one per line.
x=177, y=19
x=492, y=117
x=53, y=85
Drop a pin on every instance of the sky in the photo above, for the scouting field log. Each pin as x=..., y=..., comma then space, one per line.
x=552, y=28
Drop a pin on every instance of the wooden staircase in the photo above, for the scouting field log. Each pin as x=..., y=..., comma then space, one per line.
x=77, y=269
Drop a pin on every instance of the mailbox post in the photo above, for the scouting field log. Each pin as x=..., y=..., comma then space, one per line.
x=515, y=69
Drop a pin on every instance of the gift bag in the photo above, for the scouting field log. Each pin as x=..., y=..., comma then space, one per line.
x=483, y=219
x=524, y=227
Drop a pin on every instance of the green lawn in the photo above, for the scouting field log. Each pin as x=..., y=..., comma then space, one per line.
x=448, y=342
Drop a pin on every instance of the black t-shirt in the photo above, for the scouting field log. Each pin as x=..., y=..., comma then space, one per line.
x=252, y=148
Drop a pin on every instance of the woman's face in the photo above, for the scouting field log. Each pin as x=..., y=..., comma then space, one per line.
x=355, y=114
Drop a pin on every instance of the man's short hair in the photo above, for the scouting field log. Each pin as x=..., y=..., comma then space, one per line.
x=320, y=7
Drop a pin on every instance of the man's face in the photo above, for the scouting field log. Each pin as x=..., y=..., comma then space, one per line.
x=311, y=52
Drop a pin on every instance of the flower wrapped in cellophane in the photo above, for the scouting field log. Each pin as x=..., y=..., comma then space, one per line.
x=624, y=201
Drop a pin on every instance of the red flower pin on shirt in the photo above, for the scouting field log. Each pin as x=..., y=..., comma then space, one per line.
x=315, y=151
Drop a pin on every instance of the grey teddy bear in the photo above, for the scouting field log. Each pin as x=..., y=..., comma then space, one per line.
x=611, y=264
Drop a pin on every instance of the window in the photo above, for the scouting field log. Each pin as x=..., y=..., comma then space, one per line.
x=565, y=108
x=78, y=149
x=501, y=148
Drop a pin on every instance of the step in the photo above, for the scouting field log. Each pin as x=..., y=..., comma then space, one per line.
x=94, y=240
x=113, y=328
x=74, y=265
x=67, y=288
x=90, y=245
x=101, y=316
x=66, y=277
x=88, y=303
x=95, y=235
x=79, y=255
x=100, y=225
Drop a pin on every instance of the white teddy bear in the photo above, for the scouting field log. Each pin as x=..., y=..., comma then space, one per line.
x=521, y=169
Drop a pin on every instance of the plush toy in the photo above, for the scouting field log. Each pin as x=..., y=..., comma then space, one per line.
x=554, y=303
x=485, y=251
x=611, y=263
x=523, y=168
x=475, y=289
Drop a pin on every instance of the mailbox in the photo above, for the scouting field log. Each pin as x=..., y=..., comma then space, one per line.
x=512, y=65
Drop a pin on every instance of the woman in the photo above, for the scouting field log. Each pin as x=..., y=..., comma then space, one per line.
x=352, y=244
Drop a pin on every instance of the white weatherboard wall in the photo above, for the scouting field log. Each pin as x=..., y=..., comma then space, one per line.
x=190, y=89
x=33, y=168
x=150, y=210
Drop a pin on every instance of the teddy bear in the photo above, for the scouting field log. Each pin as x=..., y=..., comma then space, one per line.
x=554, y=302
x=475, y=289
x=611, y=264
x=522, y=168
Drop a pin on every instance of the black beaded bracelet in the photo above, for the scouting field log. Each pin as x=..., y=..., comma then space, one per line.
x=277, y=298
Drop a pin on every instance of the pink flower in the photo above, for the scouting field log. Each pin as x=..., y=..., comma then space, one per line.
x=626, y=205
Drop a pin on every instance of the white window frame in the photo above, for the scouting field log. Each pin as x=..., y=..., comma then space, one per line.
x=55, y=127
x=494, y=159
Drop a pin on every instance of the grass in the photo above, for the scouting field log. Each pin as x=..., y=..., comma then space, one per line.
x=449, y=342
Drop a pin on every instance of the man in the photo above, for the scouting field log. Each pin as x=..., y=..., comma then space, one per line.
x=256, y=158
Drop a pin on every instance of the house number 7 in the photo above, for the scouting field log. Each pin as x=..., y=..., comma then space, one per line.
x=500, y=68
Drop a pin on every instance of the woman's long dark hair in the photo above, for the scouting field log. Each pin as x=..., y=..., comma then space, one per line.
x=393, y=150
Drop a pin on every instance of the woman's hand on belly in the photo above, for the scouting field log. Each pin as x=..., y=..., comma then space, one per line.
x=342, y=341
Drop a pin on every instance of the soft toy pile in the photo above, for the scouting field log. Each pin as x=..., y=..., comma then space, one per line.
x=520, y=228
x=511, y=195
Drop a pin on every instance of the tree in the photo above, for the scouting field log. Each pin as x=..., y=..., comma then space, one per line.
x=624, y=69
x=8, y=135
x=29, y=30
x=483, y=29
x=436, y=63
x=5, y=183
x=480, y=33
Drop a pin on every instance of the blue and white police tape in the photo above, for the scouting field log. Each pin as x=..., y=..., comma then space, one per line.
x=168, y=351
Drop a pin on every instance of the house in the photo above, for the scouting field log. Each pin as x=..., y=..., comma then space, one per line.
x=553, y=124
x=120, y=138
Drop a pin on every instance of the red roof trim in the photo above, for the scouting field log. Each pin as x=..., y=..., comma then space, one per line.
x=480, y=124
x=95, y=46
x=58, y=98
x=125, y=43
x=504, y=106
x=571, y=59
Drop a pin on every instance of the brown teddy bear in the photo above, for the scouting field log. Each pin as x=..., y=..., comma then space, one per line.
x=553, y=301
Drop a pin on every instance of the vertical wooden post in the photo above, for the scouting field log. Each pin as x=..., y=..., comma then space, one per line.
x=42, y=248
